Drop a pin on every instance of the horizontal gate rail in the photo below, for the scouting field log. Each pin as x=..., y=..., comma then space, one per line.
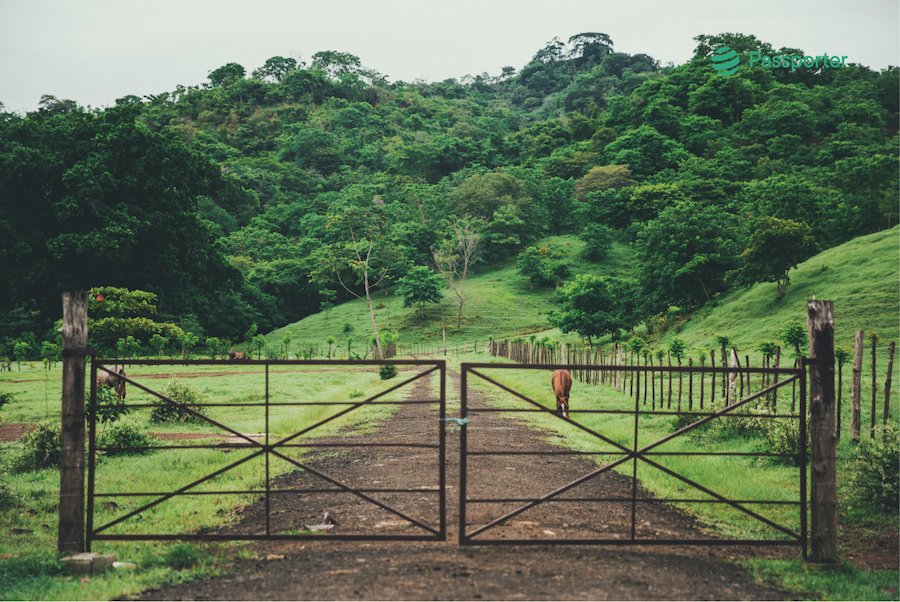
x=269, y=449
x=632, y=454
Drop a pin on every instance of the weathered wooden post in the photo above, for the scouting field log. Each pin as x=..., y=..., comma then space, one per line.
x=856, y=388
x=874, y=339
x=887, y=384
x=823, y=462
x=71, y=464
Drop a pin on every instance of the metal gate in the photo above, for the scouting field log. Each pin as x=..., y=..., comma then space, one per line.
x=264, y=449
x=644, y=456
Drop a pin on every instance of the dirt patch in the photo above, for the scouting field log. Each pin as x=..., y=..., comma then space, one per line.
x=404, y=570
x=13, y=431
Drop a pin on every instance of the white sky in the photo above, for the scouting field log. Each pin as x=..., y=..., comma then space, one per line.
x=94, y=51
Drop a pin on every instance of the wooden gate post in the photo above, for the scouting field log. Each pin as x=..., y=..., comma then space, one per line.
x=71, y=440
x=823, y=469
x=856, y=389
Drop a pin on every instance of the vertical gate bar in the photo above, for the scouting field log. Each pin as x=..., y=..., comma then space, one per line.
x=463, y=441
x=268, y=486
x=442, y=453
x=92, y=450
x=804, y=535
x=634, y=473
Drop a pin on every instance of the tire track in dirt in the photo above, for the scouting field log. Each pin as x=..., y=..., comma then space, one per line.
x=332, y=570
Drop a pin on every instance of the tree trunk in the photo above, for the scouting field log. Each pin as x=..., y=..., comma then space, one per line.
x=823, y=461
x=856, y=388
x=71, y=465
x=887, y=384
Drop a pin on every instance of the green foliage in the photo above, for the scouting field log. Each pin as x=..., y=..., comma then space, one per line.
x=387, y=372
x=40, y=448
x=598, y=240
x=20, y=573
x=782, y=437
x=794, y=334
x=767, y=348
x=109, y=407
x=259, y=343
x=182, y=556
x=6, y=398
x=685, y=254
x=775, y=247
x=184, y=394
x=677, y=347
x=420, y=286
x=594, y=306
x=125, y=433
x=874, y=478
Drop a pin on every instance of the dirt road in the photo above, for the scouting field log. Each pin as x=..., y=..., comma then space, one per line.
x=404, y=570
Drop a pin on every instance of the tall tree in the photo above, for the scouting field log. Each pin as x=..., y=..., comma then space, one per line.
x=685, y=253
x=98, y=200
x=775, y=247
x=457, y=255
x=364, y=256
x=420, y=286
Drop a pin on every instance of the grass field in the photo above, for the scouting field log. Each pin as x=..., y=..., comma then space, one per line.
x=29, y=569
x=861, y=277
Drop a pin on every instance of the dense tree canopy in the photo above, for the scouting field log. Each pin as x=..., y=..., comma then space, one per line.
x=219, y=197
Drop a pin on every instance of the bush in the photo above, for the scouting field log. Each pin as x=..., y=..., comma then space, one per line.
x=874, y=471
x=178, y=557
x=182, y=393
x=783, y=437
x=109, y=407
x=41, y=448
x=127, y=433
x=387, y=371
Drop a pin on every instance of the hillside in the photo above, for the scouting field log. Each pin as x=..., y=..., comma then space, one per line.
x=860, y=276
x=501, y=304
x=237, y=201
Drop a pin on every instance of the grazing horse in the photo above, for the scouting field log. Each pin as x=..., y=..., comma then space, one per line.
x=562, y=384
x=237, y=355
x=113, y=379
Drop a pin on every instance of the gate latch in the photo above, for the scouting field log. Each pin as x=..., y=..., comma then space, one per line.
x=458, y=421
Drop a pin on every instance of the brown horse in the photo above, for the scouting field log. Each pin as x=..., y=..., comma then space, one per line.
x=562, y=384
x=237, y=355
x=114, y=379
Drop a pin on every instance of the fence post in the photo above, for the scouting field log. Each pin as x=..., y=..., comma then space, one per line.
x=71, y=465
x=887, y=384
x=823, y=469
x=856, y=389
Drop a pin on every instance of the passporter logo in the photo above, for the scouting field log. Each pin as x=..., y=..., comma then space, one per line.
x=726, y=61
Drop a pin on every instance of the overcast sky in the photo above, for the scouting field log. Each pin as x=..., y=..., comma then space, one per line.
x=94, y=51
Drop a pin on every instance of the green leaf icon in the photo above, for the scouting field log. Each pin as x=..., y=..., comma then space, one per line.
x=725, y=61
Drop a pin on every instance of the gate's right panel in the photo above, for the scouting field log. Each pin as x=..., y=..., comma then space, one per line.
x=646, y=455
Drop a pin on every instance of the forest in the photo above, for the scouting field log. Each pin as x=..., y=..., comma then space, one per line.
x=254, y=199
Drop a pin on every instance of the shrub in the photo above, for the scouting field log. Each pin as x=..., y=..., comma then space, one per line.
x=387, y=372
x=109, y=407
x=178, y=557
x=40, y=448
x=783, y=437
x=182, y=393
x=127, y=433
x=874, y=471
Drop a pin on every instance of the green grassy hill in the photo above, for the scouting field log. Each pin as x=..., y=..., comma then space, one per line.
x=500, y=304
x=861, y=277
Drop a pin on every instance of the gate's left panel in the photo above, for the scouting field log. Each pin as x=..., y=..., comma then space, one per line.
x=273, y=449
